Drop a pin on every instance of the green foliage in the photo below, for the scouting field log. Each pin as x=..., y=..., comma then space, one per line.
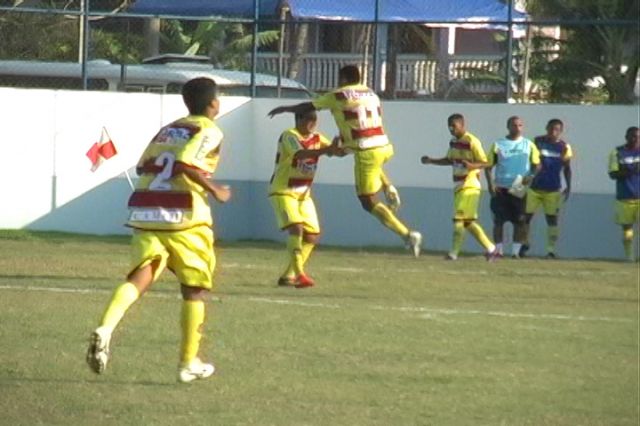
x=226, y=43
x=588, y=51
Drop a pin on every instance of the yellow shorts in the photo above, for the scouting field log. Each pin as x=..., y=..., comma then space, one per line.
x=187, y=253
x=368, y=168
x=290, y=211
x=551, y=201
x=627, y=212
x=465, y=204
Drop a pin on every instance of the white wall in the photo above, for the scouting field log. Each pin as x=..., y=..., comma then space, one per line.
x=47, y=133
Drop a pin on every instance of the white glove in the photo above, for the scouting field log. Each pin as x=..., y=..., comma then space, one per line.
x=393, y=197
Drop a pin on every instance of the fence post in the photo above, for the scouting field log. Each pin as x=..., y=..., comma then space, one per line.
x=84, y=46
x=254, y=50
x=509, y=52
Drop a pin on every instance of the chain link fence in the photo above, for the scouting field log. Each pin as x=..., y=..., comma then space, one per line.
x=289, y=49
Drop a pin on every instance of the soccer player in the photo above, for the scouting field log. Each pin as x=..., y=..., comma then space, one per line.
x=290, y=193
x=357, y=112
x=467, y=158
x=516, y=160
x=171, y=218
x=624, y=168
x=545, y=189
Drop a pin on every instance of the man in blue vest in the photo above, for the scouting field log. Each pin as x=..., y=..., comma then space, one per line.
x=624, y=168
x=545, y=190
x=516, y=161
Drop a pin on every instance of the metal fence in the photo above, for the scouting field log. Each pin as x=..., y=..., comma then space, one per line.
x=102, y=45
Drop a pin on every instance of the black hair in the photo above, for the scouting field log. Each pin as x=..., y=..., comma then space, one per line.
x=455, y=117
x=554, y=122
x=629, y=131
x=198, y=93
x=350, y=74
x=306, y=115
x=511, y=119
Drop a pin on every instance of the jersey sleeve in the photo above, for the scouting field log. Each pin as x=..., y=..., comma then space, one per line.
x=614, y=165
x=492, y=157
x=535, y=154
x=324, y=141
x=479, y=155
x=326, y=101
x=198, y=150
x=288, y=144
x=568, y=153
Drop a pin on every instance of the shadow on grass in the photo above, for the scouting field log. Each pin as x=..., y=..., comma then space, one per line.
x=102, y=381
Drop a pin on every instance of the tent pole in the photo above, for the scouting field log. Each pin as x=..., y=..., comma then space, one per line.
x=254, y=50
x=283, y=16
x=84, y=44
x=376, y=71
x=509, y=53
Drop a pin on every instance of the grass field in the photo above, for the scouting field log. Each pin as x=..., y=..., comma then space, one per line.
x=383, y=339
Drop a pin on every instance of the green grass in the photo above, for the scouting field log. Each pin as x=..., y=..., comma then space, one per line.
x=383, y=339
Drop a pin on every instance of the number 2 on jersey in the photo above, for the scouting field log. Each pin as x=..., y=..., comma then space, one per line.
x=166, y=160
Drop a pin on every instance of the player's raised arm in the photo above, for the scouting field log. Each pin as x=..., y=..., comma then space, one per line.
x=425, y=159
x=300, y=108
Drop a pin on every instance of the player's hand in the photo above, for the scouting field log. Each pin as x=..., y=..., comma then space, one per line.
x=222, y=193
x=393, y=197
x=527, y=180
x=566, y=193
x=276, y=111
x=425, y=159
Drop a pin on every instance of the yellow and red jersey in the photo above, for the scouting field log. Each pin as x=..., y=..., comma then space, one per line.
x=357, y=112
x=167, y=201
x=469, y=148
x=294, y=177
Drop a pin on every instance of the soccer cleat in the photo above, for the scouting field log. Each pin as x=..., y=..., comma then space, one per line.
x=523, y=250
x=414, y=241
x=98, y=352
x=286, y=281
x=451, y=257
x=305, y=281
x=492, y=256
x=195, y=370
x=551, y=255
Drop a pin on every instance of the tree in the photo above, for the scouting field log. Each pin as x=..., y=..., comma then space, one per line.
x=586, y=52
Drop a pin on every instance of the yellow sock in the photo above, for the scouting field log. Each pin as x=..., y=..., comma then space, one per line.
x=478, y=233
x=123, y=297
x=552, y=238
x=294, y=247
x=458, y=237
x=307, y=248
x=627, y=241
x=388, y=219
x=192, y=322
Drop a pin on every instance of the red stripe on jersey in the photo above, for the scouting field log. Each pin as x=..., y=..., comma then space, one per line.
x=166, y=199
x=311, y=142
x=341, y=96
x=465, y=146
x=366, y=133
x=352, y=115
x=295, y=183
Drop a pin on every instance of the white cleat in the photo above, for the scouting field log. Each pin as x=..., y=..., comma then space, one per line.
x=195, y=370
x=414, y=241
x=98, y=352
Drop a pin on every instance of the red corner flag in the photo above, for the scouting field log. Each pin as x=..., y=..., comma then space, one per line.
x=101, y=150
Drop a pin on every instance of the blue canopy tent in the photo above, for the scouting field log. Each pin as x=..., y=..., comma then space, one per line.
x=346, y=10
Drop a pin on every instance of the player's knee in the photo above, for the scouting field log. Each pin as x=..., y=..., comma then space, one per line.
x=193, y=293
x=366, y=202
x=467, y=223
x=311, y=238
x=295, y=229
x=552, y=220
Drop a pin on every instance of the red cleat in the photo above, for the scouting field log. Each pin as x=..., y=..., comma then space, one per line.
x=304, y=281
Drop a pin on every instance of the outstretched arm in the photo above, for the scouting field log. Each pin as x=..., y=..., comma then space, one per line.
x=221, y=193
x=425, y=159
x=295, y=109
